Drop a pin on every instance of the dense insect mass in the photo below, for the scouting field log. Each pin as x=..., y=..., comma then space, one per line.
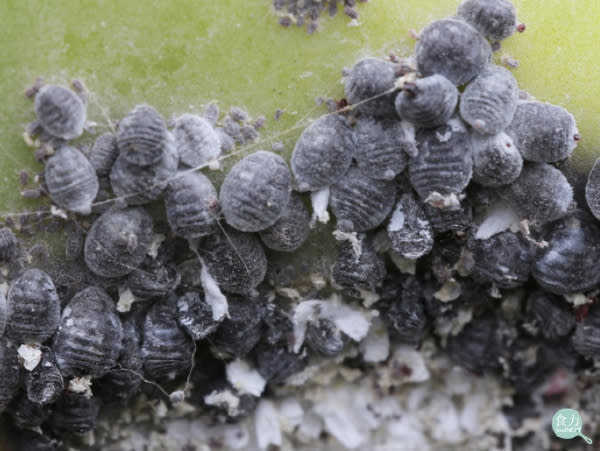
x=543, y=132
x=453, y=249
x=427, y=102
x=452, y=48
x=60, y=111
x=489, y=102
x=118, y=241
x=71, y=180
x=256, y=191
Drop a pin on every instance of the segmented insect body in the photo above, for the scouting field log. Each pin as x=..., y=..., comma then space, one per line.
x=361, y=203
x=496, y=160
x=489, y=102
x=450, y=219
x=444, y=164
x=71, y=180
x=241, y=331
x=324, y=337
x=476, y=347
x=142, y=135
x=235, y=259
x=366, y=84
x=44, y=384
x=256, y=191
x=194, y=315
x=592, y=189
x=291, y=229
x=33, y=307
x=427, y=102
x=191, y=204
x=60, y=111
x=381, y=147
x=554, y=318
x=28, y=414
x=495, y=19
x=9, y=372
x=365, y=270
x=197, y=141
x=75, y=413
x=104, y=153
x=541, y=193
x=323, y=153
x=571, y=261
x=118, y=241
x=88, y=341
x=153, y=278
x=139, y=184
x=586, y=338
x=403, y=310
x=504, y=259
x=543, y=132
x=452, y=48
x=8, y=244
x=166, y=349
x=276, y=363
x=409, y=230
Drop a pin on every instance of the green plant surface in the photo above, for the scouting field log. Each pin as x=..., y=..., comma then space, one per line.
x=179, y=55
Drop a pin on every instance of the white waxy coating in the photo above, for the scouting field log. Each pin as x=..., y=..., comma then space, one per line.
x=60, y=111
x=197, y=141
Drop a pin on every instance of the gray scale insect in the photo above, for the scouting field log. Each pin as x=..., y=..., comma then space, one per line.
x=496, y=160
x=404, y=313
x=104, y=153
x=427, y=102
x=409, y=229
x=118, y=241
x=444, y=164
x=196, y=140
x=476, y=346
x=541, y=193
x=292, y=228
x=256, y=191
x=361, y=203
x=153, y=279
x=489, y=102
x=323, y=153
x=60, y=111
x=554, y=318
x=241, y=331
x=71, y=180
x=227, y=142
x=495, y=19
x=75, y=413
x=592, y=189
x=45, y=383
x=367, y=81
x=8, y=244
x=543, y=132
x=166, y=349
x=586, y=338
x=571, y=261
x=324, y=337
x=33, y=307
x=276, y=363
x=381, y=147
x=191, y=205
x=364, y=271
x=194, y=315
x=142, y=136
x=138, y=185
x=88, y=341
x=235, y=259
x=10, y=372
x=211, y=113
x=27, y=414
x=505, y=259
x=452, y=48
x=3, y=314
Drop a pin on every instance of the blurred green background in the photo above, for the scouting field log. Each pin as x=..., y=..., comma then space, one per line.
x=178, y=55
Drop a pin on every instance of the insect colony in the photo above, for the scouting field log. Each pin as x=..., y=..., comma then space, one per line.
x=440, y=180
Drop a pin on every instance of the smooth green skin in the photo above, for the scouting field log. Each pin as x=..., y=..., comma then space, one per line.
x=180, y=54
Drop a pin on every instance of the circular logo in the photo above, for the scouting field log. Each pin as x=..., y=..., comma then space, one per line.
x=566, y=423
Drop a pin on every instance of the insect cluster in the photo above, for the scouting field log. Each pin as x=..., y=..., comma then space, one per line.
x=441, y=180
x=300, y=12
